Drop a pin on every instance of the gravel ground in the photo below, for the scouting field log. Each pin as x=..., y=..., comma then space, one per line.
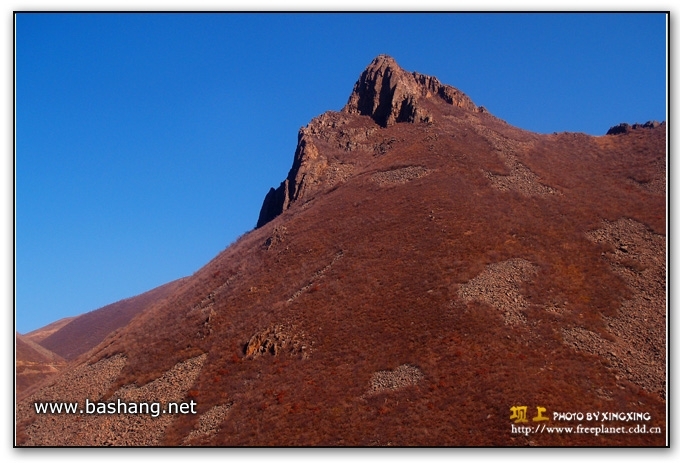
x=208, y=424
x=638, y=352
x=498, y=285
x=400, y=377
x=521, y=178
x=338, y=173
x=125, y=429
x=399, y=176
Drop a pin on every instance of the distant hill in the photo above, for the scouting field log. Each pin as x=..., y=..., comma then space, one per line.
x=41, y=333
x=425, y=275
x=34, y=364
x=84, y=332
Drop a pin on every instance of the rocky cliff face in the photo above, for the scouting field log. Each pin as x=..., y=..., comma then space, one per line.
x=390, y=95
x=384, y=92
x=308, y=167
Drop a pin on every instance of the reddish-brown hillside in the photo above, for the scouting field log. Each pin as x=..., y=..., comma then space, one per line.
x=34, y=364
x=47, y=330
x=86, y=331
x=424, y=272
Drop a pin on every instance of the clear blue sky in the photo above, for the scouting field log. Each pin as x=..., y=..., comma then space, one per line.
x=145, y=143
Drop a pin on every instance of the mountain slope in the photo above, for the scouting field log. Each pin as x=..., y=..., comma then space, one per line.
x=424, y=269
x=34, y=364
x=86, y=331
x=47, y=330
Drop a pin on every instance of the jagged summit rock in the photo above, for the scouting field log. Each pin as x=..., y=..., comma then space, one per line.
x=389, y=94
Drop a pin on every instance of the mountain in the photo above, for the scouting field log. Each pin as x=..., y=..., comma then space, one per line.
x=426, y=275
x=33, y=364
x=84, y=332
x=45, y=331
x=42, y=353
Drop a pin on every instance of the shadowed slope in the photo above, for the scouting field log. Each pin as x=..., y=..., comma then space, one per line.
x=41, y=333
x=87, y=330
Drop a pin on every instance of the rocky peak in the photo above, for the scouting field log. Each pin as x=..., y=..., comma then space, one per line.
x=386, y=93
x=389, y=94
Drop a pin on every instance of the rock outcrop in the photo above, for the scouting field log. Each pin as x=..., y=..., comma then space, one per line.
x=386, y=93
x=624, y=127
x=389, y=95
x=308, y=168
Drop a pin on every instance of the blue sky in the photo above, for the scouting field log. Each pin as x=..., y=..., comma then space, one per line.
x=145, y=143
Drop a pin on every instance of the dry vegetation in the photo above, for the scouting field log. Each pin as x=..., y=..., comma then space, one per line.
x=638, y=347
x=34, y=365
x=477, y=292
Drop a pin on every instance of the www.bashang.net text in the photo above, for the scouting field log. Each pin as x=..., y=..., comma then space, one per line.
x=153, y=409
